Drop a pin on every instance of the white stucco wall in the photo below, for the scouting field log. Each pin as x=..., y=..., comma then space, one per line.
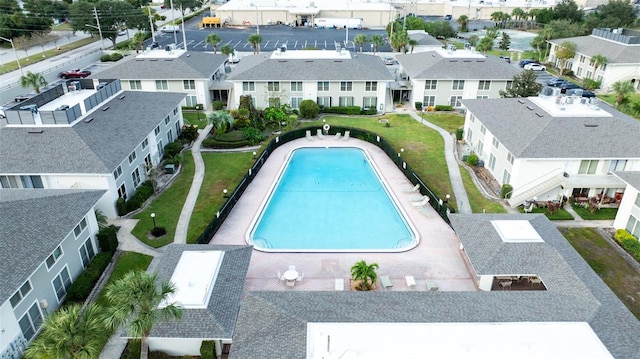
x=627, y=208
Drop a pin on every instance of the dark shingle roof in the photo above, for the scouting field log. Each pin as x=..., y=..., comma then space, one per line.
x=630, y=177
x=616, y=53
x=32, y=225
x=218, y=320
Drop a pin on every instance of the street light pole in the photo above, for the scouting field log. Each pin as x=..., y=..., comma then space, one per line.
x=153, y=217
x=14, y=53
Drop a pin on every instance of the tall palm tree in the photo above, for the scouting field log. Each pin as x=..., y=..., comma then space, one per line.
x=214, y=40
x=134, y=301
x=73, y=331
x=412, y=43
x=365, y=273
x=549, y=33
x=377, y=41
x=597, y=61
x=35, y=80
x=517, y=14
x=221, y=120
x=463, y=21
x=255, y=40
x=622, y=89
x=399, y=39
x=360, y=40
x=227, y=50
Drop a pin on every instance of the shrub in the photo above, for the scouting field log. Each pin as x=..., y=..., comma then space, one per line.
x=208, y=349
x=188, y=134
x=368, y=111
x=172, y=149
x=418, y=106
x=444, y=108
x=143, y=192
x=459, y=133
x=158, y=231
x=506, y=190
x=217, y=105
x=108, y=238
x=473, y=160
x=82, y=286
x=253, y=135
x=111, y=57
x=309, y=109
x=345, y=110
x=213, y=143
x=628, y=242
x=121, y=206
x=232, y=136
x=569, y=73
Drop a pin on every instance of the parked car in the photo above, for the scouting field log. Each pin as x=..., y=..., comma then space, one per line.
x=448, y=17
x=568, y=86
x=170, y=28
x=506, y=58
x=581, y=93
x=555, y=82
x=535, y=67
x=75, y=74
x=163, y=6
x=522, y=63
x=389, y=60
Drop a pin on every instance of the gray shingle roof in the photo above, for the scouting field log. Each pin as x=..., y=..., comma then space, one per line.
x=630, y=177
x=432, y=65
x=424, y=39
x=94, y=147
x=526, y=135
x=191, y=65
x=360, y=67
x=218, y=320
x=32, y=225
x=274, y=324
x=616, y=53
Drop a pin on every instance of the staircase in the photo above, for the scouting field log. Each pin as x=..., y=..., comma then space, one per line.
x=536, y=187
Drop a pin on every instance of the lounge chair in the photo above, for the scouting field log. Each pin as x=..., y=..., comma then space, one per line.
x=386, y=282
x=291, y=283
x=319, y=133
x=421, y=203
x=414, y=188
x=411, y=282
x=337, y=136
x=309, y=135
x=339, y=284
x=292, y=267
x=346, y=135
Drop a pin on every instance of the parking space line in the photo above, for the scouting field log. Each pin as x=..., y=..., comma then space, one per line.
x=295, y=46
x=236, y=45
x=276, y=45
x=267, y=44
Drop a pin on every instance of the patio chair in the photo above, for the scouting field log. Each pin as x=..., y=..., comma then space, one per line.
x=280, y=277
x=432, y=285
x=414, y=188
x=300, y=277
x=386, y=282
x=319, y=133
x=411, y=282
x=337, y=136
x=339, y=284
x=291, y=283
x=292, y=267
x=346, y=135
x=308, y=135
x=421, y=203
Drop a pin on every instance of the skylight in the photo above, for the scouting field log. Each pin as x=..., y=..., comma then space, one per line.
x=516, y=231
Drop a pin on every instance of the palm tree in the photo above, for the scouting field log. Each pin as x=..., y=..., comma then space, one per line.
x=463, y=21
x=517, y=14
x=221, y=120
x=538, y=42
x=360, y=40
x=412, y=43
x=399, y=39
x=134, y=303
x=377, y=41
x=597, y=61
x=227, y=50
x=74, y=331
x=214, y=40
x=255, y=40
x=35, y=80
x=365, y=273
x=549, y=34
x=622, y=89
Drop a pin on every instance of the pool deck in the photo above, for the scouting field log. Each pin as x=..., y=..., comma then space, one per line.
x=436, y=258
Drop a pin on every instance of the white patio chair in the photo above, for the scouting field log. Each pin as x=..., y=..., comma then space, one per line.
x=308, y=135
x=292, y=267
x=300, y=277
x=346, y=135
x=319, y=133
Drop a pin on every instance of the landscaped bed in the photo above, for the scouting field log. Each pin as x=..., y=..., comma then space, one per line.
x=558, y=215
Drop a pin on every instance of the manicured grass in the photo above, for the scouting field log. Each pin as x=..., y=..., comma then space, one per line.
x=37, y=57
x=621, y=277
x=602, y=213
x=559, y=215
x=450, y=122
x=478, y=202
x=128, y=261
x=191, y=118
x=167, y=206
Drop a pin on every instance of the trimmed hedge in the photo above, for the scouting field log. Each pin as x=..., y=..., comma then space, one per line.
x=172, y=149
x=208, y=350
x=217, y=105
x=121, y=206
x=309, y=109
x=82, y=286
x=506, y=190
x=472, y=160
x=444, y=108
x=459, y=133
x=111, y=57
x=108, y=238
x=345, y=110
x=213, y=143
x=629, y=242
x=143, y=192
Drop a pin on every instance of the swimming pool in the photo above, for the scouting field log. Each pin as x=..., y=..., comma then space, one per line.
x=330, y=200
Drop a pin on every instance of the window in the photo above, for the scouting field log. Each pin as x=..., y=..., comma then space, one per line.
x=483, y=129
x=484, y=85
x=458, y=85
x=480, y=148
x=455, y=101
x=20, y=294
x=178, y=129
x=132, y=156
x=162, y=85
x=135, y=85
x=145, y=143
x=295, y=102
x=296, y=87
x=80, y=227
x=492, y=162
x=509, y=85
x=428, y=101
x=273, y=86
x=156, y=130
x=510, y=157
x=581, y=58
x=189, y=84
x=324, y=101
x=248, y=86
x=506, y=177
x=61, y=283
x=147, y=162
x=167, y=120
x=175, y=111
x=588, y=167
x=371, y=86
x=160, y=148
x=274, y=101
x=637, y=203
x=495, y=143
x=482, y=97
x=122, y=191
x=617, y=165
x=31, y=182
x=345, y=101
x=53, y=258
x=588, y=74
x=631, y=224
x=31, y=322
x=170, y=136
x=430, y=84
x=370, y=102
x=323, y=86
x=469, y=135
x=346, y=86
x=191, y=101
x=579, y=71
x=135, y=176
x=8, y=182
x=86, y=252
x=472, y=118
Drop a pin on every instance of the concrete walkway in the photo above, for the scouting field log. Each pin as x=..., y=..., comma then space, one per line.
x=127, y=241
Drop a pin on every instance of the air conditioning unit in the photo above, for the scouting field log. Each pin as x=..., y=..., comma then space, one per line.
x=44, y=304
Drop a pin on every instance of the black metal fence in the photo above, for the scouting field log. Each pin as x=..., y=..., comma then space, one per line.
x=438, y=204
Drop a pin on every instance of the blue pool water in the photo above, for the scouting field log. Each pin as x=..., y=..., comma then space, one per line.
x=330, y=199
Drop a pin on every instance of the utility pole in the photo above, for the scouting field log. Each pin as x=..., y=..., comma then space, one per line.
x=346, y=36
x=95, y=12
x=153, y=33
x=184, y=34
x=173, y=21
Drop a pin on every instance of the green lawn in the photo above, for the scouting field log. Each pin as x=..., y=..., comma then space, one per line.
x=450, y=122
x=191, y=118
x=622, y=278
x=37, y=57
x=559, y=215
x=602, y=213
x=128, y=261
x=479, y=203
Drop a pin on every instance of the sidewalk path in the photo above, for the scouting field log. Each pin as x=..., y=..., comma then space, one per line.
x=127, y=241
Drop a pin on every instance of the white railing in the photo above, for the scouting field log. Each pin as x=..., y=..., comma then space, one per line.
x=537, y=182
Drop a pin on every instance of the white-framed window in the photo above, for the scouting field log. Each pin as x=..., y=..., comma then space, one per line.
x=122, y=191
x=324, y=101
x=506, y=177
x=53, y=257
x=135, y=176
x=484, y=85
x=175, y=111
x=455, y=101
x=589, y=74
x=86, y=252
x=510, y=157
x=472, y=118
x=579, y=71
x=189, y=84
x=617, y=165
x=61, y=283
x=77, y=231
x=9, y=182
x=167, y=120
x=371, y=86
x=633, y=226
x=637, y=202
x=31, y=321
x=295, y=102
x=482, y=96
x=31, y=182
x=323, y=85
x=492, y=162
x=508, y=85
x=191, y=100
x=370, y=102
x=480, y=147
x=599, y=78
x=274, y=101
x=117, y=172
x=588, y=167
x=483, y=129
x=469, y=135
x=248, y=86
x=273, y=86
x=156, y=131
x=17, y=297
x=581, y=58
x=428, y=101
x=132, y=156
x=178, y=129
x=345, y=101
x=346, y=86
x=431, y=84
x=145, y=143
x=296, y=86
x=135, y=85
x=495, y=142
x=162, y=85
x=170, y=136
x=160, y=148
x=458, y=85
x=147, y=162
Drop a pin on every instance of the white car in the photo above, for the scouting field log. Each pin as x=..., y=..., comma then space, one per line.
x=170, y=28
x=534, y=67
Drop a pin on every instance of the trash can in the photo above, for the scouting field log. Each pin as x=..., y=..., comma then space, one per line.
x=170, y=168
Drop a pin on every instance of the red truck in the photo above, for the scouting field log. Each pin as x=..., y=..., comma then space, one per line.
x=74, y=74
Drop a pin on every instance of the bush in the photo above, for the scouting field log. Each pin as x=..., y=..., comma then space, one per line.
x=188, y=134
x=629, y=242
x=111, y=57
x=82, y=286
x=459, y=133
x=253, y=135
x=368, y=111
x=213, y=143
x=143, y=192
x=506, y=190
x=172, y=149
x=309, y=109
x=217, y=105
x=591, y=84
x=444, y=108
x=108, y=238
x=345, y=110
x=208, y=349
x=418, y=106
x=473, y=160
x=158, y=231
x=232, y=136
x=121, y=206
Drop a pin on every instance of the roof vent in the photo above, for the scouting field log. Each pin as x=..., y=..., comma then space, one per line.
x=308, y=60
x=591, y=125
x=453, y=60
x=121, y=97
x=521, y=101
x=153, y=59
x=87, y=120
x=466, y=60
x=36, y=130
x=282, y=60
x=539, y=115
x=105, y=108
x=139, y=59
x=530, y=108
x=337, y=60
x=479, y=60
x=168, y=59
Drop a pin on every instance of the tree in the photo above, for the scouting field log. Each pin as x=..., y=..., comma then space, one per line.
x=440, y=29
x=492, y=33
x=73, y=331
x=255, y=40
x=596, y=61
x=463, y=21
x=561, y=29
x=377, y=41
x=412, y=43
x=473, y=40
x=129, y=17
x=613, y=14
x=524, y=85
x=517, y=14
x=309, y=109
x=565, y=52
x=227, y=50
x=399, y=40
x=221, y=120
x=214, y=40
x=35, y=80
x=485, y=44
x=134, y=303
x=568, y=10
x=365, y=273
x=622, y=89
x=505, y=42
x=414, y=23
x=139, y=37
x=360, y=39
x=538, y=43
x=192, y=5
